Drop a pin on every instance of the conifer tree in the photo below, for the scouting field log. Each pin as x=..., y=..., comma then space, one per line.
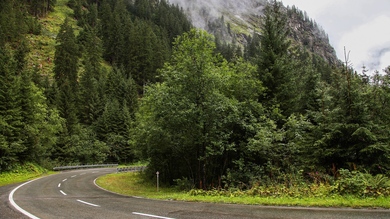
x=106, y=18
x=66, y=56
x=11, y=27
x=91, y=103
x=66, y=74
x=11, y=123
x=273, y=61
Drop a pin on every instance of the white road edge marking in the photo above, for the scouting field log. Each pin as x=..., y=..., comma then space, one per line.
x=73, y=176
x=59, y=185
x=64, y=180
x=11, y=200
x=87, y=203
x=151, y=215
x=62, y=192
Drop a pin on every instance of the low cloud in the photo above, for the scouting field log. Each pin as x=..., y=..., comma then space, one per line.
x=359, y=25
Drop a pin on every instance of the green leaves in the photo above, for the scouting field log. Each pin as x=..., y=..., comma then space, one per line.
x=189, y=116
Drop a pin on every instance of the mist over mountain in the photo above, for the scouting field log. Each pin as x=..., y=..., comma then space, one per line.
x=201, y=12
x=234, y=21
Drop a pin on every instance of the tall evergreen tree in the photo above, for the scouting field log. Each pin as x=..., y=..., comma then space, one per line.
x=12, y=21
x=273, y=61
x=11, y=120
x=66, y=74
x=106, y=17
x=91, y=102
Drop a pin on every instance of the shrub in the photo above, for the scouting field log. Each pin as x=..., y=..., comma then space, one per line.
x=184, y=184
x=377, y=185
x=362, y=184
x=350, y=183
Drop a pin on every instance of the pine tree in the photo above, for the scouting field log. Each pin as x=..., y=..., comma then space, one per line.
x=11, y=27
x=91, y=102
x=273, y=66
x=66, y=56
x=11, y=120
x=66, y=74
x=106, y=18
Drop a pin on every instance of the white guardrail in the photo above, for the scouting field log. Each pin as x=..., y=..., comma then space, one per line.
x=83, y=166
x=130, y=169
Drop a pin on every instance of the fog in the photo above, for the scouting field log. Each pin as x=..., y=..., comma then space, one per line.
x=201, y=11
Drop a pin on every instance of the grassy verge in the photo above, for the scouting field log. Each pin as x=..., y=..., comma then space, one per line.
x=132, y=184
x=22, y=173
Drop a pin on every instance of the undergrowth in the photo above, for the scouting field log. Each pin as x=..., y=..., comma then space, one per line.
x=348, y=183
x=312, y=194
x=21, y=173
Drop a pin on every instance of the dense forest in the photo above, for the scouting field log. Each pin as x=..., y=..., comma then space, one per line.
x=133, y=80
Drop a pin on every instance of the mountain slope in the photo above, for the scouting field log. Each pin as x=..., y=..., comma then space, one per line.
x=241, y=19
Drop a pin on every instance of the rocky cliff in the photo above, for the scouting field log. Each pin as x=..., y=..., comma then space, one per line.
x=234, y=21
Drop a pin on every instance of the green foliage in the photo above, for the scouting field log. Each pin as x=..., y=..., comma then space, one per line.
x=11, y=123
x=351, y=183
x=21, y=173
x=66, y=57
x=184, y=184
x=134, y=184
x=12, y=21
x=191, y=99
x=128, y=84
x=362, y=184
x=272, y=62
x=87, y=149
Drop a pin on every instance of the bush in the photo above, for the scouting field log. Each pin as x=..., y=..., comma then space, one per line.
x=377, y=185
x=184, y=184
x=362, y=184
x=351, y=183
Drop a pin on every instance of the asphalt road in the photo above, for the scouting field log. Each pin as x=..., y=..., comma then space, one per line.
x=73, y=194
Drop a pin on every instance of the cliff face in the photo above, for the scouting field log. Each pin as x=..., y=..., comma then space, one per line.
x=234, y=21
x=309, y=34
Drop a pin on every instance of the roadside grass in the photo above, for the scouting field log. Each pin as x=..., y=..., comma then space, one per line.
x=133, y=184
x=22, y=173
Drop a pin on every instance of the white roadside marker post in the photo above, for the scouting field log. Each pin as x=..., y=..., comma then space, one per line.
x=157, y=173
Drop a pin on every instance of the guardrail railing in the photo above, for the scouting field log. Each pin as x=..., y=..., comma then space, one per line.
x=83, y=166
x=130, y=169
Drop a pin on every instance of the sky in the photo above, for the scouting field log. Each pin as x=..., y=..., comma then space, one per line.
x=361, y=26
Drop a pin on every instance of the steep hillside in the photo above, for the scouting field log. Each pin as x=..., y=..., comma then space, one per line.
x=236, y=20
x=309, y=34
x=42, y=46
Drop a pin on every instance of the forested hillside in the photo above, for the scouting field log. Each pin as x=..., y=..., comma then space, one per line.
x=131, y=80
x=78, y=104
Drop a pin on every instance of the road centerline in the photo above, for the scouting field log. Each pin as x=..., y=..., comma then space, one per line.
x=63, y=192
x=87, y=203
x=151, y=215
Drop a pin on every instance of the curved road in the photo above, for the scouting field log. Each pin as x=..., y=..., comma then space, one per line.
x=73, y=194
